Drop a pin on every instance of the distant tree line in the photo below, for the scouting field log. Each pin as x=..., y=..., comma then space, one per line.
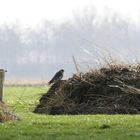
x=40, y=52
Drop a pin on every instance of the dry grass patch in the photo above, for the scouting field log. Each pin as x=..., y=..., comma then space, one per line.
x=5, y=114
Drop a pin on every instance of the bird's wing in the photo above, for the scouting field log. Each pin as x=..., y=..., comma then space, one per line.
x=55, y=77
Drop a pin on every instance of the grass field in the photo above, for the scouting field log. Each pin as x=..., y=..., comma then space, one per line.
x=21, y=100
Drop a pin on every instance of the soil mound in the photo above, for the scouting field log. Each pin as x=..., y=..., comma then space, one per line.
x=113, y=90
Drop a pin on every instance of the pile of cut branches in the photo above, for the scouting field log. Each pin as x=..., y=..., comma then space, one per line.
x=109, y=90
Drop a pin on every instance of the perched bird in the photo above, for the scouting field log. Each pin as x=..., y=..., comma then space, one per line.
x=57, y=77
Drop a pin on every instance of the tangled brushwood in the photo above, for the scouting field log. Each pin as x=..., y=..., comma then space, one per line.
x=113, y=90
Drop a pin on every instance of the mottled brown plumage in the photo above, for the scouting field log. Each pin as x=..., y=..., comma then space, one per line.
x=57, y=77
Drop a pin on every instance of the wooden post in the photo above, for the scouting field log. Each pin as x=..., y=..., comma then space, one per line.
x=2, y=75
x=76, y=66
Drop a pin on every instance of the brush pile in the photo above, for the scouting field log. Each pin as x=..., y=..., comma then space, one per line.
x=5, y=115
x=112, y=90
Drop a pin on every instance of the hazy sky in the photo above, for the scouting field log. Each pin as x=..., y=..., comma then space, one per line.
x=32, y=12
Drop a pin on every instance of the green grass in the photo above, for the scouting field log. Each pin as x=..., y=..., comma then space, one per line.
x=22, y=100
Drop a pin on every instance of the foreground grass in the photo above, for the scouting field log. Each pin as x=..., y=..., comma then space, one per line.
x=46, y=127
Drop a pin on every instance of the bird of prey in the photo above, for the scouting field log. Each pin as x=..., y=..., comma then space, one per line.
x=57, y=77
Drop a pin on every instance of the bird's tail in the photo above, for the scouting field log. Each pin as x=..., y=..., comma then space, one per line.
x=49, y=82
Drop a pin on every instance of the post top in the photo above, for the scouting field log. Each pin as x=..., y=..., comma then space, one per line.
x=2, y=70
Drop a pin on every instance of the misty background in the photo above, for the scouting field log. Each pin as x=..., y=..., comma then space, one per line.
x=38, y=53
